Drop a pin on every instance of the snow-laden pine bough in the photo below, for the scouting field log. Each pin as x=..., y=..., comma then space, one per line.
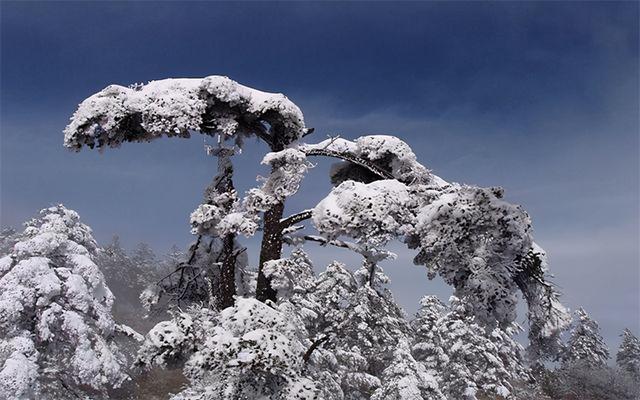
x=476, y=241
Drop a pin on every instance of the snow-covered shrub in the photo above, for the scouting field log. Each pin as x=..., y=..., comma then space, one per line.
x=579, y=380
x=247, y=351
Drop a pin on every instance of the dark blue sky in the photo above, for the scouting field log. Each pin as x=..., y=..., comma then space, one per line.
x=541, y=98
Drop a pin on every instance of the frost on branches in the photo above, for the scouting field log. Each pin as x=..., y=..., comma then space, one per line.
x=586, y=345
x=199, y=279
x=56, y=329
x=628, y=356
x=214, y=106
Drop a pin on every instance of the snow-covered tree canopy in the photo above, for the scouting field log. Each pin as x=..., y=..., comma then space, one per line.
x=56, y=329
x=176, y=107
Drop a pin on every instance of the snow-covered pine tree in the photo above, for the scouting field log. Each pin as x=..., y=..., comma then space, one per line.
x=474, y=240
x=214, y=106
x=295, y=283
x=375, y=323
x=586, y=345
x=56, y=329
x=363, y=326
x=343, y=364
x=305, y=305
x=145, y=258
x=628, y=356
x=424, y=328
x=470, y=236
x=468, y=359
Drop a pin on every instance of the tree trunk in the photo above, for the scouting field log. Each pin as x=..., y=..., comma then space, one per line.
x=227, y=287
x=271, y=249
x=223, y=183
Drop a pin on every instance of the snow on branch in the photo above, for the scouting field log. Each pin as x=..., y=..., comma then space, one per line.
x=385, y=156
x=295, y=218
x=175, y=107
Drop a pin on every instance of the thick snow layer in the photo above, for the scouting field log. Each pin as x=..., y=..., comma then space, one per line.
x=20, y=370
x=376, y=210
x=174, y=107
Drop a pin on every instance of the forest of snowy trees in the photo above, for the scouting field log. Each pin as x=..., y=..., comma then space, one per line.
x=83, y=320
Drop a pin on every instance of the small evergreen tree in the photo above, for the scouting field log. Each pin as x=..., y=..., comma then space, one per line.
x=57, y=335
x=407, y=379
x=424, y=327
x=628, y=357
x=468, y=359
x=586, y=345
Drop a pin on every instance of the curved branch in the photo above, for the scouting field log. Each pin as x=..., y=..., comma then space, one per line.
x=314, y=345
x=351, y=158
x=323, y=242
x=295, y=218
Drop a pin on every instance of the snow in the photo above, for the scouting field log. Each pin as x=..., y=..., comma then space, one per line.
x=174, y=107
x=376, y=210
x=20, y=370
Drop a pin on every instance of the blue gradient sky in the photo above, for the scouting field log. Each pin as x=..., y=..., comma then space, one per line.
x=541, y=98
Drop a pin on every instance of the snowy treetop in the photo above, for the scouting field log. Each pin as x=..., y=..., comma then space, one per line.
x=174, y=107
x=55, y=228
